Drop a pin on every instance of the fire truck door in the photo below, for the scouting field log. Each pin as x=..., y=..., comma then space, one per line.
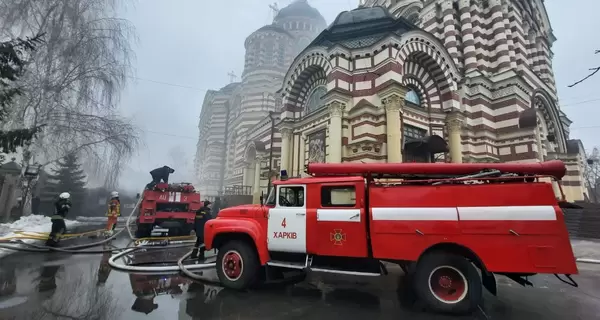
x=341, y=228
x=287, y=221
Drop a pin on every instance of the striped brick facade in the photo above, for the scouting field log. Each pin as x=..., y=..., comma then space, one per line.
x=481, y=67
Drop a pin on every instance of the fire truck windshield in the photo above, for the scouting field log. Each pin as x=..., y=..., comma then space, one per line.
x=271, y=198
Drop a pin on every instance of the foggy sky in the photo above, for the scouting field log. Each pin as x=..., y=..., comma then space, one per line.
x=191, y=46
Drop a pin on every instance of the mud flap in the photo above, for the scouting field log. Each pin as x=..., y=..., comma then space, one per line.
x=489, y=282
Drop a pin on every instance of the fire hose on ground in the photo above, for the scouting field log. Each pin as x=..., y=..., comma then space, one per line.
x=16, y=243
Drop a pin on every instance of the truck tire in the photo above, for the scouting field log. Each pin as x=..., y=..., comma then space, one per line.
x=237, y=265
x=448, y=283
x=143, y=231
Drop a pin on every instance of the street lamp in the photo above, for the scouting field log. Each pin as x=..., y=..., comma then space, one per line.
x=30, y=174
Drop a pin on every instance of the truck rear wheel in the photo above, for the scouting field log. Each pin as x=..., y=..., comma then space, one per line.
x=143, y=231
x=448, y=283
x=237, y=265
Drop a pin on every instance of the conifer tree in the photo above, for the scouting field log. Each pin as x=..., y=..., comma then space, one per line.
x=68, y=177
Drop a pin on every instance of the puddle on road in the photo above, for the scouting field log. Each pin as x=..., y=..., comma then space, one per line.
x=12, y=302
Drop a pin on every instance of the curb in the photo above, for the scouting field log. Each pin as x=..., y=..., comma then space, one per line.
x=592, y=261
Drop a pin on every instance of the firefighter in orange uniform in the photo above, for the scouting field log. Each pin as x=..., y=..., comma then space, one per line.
x=114, y=211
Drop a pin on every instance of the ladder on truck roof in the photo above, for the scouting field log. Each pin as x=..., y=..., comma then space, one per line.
x=554, y=168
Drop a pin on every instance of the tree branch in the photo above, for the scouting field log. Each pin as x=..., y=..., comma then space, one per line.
x=594, y=71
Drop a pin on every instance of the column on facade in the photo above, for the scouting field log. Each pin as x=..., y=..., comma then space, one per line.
x=499, y=32
x=532, y=50
x=256, y=183
x=301, y=152
x=476, y=15
x=336, y=110
x=286, y=137
x=469, y=53
x=509, y=35
x=248, y=177
x=393, y=110
x=450, y=30
x=454, y=123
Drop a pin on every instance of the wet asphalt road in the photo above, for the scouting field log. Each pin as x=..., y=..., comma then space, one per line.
x=56, y=286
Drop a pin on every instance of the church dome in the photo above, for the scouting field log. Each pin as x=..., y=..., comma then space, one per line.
x=300, y=8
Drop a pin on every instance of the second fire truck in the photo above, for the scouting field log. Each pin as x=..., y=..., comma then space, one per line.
x=451, y=227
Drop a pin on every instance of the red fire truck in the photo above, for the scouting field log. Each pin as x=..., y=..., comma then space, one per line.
x=440, y=222
x=168, y=208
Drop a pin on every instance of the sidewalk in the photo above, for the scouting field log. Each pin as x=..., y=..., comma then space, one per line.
x=586, y=249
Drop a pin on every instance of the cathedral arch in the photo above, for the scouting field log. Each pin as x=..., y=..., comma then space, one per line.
x=426, y=52
x=542, y=102
x=420, y=78
x=307, y=72
x=253, y=150
x=418, y=88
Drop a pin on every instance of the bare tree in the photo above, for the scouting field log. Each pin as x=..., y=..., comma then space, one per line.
x=592, y=73
x=591, y=175
x=74, y=84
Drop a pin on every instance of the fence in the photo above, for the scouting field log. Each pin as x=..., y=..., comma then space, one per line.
x=583, y=223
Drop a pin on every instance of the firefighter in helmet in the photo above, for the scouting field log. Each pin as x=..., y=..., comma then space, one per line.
x=202, y=216
x=114, y=212
x=62, y=206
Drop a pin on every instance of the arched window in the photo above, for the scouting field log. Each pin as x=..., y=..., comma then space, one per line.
x=413, y=97
x=315, y=99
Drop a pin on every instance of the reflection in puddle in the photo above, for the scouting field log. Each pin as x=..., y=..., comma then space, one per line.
x=12, y=302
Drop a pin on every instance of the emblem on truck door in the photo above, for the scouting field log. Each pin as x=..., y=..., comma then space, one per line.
x=337, y=237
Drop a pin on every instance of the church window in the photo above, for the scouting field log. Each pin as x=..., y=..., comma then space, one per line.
x=315, y=99
x=281, y=54
x=413, y=97
x=414, y=132
x=269, y=54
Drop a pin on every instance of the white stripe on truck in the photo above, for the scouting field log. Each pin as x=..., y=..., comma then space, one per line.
x=497, y=213
x=513, y=213
x=338, y=215
x=415, y=214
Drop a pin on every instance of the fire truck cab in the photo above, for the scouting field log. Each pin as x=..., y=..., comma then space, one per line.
x=169, y=209
x=450, y=227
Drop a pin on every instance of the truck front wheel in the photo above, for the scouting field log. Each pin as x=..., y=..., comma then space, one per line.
x=237, y=265
x=448, y=283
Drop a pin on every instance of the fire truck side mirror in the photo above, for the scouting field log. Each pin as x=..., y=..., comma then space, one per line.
x=137, y=196
x=262, y=198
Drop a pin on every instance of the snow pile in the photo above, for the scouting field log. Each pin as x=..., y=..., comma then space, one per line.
x=31, y=223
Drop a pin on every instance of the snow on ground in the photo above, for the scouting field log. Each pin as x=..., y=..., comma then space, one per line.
x=31, y=223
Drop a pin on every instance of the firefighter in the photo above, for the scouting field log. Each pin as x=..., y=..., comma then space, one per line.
x=202, y=216
x=159, y=174
x=62, y=206
x=114, y=212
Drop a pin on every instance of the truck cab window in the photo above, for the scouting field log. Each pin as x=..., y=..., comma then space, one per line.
x=338, y=196
x=291, y=197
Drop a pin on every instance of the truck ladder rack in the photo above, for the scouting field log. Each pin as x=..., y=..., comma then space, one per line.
x=412, y=171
